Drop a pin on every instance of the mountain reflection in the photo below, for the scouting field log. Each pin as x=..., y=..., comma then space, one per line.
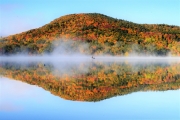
x=95, y=80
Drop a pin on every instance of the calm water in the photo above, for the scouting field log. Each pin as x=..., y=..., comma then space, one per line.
x=85, y=89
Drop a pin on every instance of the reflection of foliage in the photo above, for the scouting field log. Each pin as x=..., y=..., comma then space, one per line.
x=104, y=35
x=102, y=81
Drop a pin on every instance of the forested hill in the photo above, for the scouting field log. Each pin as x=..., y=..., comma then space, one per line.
x=104, y=35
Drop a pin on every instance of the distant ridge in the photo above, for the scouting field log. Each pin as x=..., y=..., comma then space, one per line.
x=104, y=34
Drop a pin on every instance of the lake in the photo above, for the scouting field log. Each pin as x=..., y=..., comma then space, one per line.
x=105, y=88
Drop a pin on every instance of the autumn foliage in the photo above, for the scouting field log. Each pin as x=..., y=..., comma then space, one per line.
x=102, y=81
x=104, y=34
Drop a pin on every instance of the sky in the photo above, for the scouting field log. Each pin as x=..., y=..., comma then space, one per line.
x=17, y=16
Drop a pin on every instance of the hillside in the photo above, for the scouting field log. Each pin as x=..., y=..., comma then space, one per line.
x=104, y=35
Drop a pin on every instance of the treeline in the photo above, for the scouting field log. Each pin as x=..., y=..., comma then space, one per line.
x=104, y=34
x=102, y=81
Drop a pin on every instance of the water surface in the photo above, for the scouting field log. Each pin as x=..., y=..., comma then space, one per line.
x=89, y=89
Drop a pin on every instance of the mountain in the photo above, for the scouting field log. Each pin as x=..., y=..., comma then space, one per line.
x=103, y=34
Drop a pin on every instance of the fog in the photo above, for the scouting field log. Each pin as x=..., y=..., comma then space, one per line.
x=86, y=58
x=71, y=58
x=69, y=50
x=78, y=65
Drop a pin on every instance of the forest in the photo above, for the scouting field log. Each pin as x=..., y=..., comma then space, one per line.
x=103, y=34
x=101, y=81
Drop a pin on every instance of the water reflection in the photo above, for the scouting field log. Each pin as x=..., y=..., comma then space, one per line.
x=21, y=101
x=95, y=80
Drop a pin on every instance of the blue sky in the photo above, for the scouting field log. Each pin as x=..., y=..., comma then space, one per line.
x=21, y=15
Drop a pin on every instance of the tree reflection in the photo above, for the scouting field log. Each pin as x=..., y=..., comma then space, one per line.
x=95, y=81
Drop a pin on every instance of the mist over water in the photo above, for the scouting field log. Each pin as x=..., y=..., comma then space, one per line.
x=73, y=57
x=76, y=65
x=69, y=50
x=88, y=58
